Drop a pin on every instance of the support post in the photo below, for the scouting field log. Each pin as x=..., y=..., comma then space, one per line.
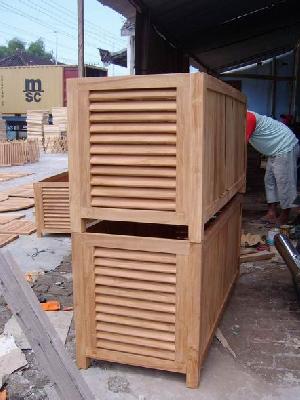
x=81, y=38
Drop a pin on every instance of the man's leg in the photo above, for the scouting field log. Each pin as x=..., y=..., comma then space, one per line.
x=285, y=171
x=271, y=192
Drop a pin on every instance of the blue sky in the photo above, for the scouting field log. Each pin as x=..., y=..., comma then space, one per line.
x=48, y=19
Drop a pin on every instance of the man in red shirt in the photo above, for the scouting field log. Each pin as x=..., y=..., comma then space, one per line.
x=276, y=141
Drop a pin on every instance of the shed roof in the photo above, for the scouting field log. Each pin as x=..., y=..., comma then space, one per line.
x=222, y=34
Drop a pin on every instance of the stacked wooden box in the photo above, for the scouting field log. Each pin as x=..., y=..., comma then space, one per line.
x=159, y=160
x=52, y=208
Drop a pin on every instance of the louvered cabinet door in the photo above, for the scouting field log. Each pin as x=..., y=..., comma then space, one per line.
x=134, y=304
x=130, y=154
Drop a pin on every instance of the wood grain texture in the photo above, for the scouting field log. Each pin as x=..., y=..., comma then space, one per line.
x=4, y=218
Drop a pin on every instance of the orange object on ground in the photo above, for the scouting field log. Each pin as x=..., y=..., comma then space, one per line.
x=3, y=394
x=51, y=305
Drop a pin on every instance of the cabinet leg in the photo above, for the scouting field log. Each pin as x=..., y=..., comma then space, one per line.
x=192, y=375
x=82, y=361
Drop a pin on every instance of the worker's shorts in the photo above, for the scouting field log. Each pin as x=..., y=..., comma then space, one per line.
x=281, y=178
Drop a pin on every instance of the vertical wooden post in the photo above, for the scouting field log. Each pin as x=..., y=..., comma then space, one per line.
x=274, y=86
x=81, y=38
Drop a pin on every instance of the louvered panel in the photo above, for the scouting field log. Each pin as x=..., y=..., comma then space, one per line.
x=135, y=301
x=56, y=208
x=133, y=146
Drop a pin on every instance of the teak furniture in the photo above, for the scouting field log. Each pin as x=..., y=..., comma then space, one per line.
x=156, y=162
x=52, y=206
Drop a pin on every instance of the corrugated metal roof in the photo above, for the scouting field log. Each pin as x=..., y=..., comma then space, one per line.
x=223, y=33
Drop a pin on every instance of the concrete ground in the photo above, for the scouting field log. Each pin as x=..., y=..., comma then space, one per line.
x=261, y=325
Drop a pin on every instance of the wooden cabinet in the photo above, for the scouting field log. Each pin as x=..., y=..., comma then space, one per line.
x=159, y=161
x=52, y=206
x=153, y=302
x=166, y=149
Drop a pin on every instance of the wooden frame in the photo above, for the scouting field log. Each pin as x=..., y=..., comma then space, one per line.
x=154, y=302
x=52, y=206
x=166, y=149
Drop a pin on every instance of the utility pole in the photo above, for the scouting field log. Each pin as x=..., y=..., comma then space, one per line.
x=80, y=38
x=55, y=47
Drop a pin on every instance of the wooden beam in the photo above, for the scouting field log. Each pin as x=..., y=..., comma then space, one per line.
x=81, y=38
x=242, y=75
x=47, y=346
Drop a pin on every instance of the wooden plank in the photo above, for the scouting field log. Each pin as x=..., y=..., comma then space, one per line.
x=15, y=203
x=21, y=227
x=258, y=256
x=7, y=238
x=4, y=218
x=46, y=344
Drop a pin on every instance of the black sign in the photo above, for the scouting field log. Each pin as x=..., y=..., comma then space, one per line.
x=33, y=90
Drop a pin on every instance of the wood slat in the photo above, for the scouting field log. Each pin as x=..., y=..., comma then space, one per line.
x=134, y=106
x=133, y=138
x=130, y=284
x=117, y=95
x=133, y=117
x=138, y=275
x=134, y=302
x=115, y=337
x=134, y=171
x=134, y=349
x=135, y=313
x=152, y=149
x=133, y=128
x=126, y=254
x=135, y=331
x=135, y=265
x=144, y=161
x=131, y=203
x=146, y=193
x=134, y=181
x=163, y=302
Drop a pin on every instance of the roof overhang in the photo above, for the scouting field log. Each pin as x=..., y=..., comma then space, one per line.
x=222, y=34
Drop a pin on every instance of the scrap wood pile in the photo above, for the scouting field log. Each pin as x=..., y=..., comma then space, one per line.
x=254, y=248
x=19, y=152
x=55, y=135
x=13, y=224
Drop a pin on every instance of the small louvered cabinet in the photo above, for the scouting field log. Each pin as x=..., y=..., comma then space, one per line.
x=52, y=206
x=167, y=149
x=151, y=301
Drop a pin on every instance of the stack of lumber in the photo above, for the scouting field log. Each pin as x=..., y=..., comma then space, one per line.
x=36, y=119
x=60, y=119
x=2, y=129
x=19, y=152
x=55, y=136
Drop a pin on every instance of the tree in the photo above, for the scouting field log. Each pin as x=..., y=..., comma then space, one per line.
x=13, y=45
x=36, y=48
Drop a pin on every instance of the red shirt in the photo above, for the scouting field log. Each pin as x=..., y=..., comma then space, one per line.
x=251, y=125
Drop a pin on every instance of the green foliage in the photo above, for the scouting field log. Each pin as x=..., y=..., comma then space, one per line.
x=36, y=48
